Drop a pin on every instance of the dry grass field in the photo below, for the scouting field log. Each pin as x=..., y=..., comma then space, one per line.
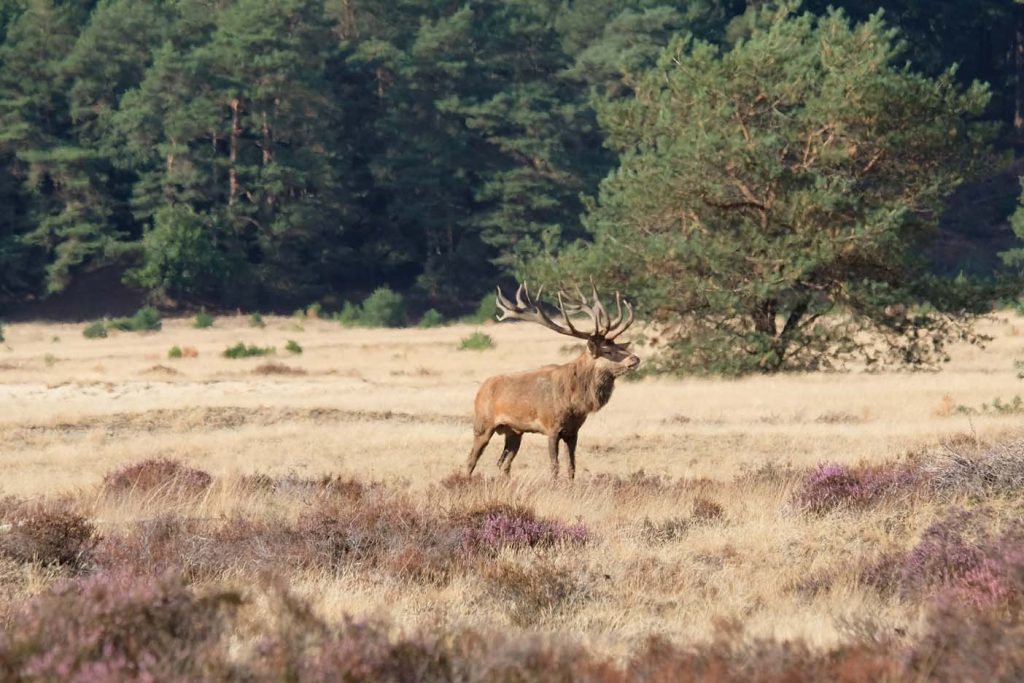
x=702, y=515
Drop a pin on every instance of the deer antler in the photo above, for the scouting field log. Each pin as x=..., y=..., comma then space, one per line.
x=604, y=326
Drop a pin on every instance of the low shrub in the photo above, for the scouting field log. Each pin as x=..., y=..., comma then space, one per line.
x=256, y=320
x=383, y=308
x=47, y=534
x=432, y=318
x=967, y=469
x=203, y=320
x=534, y=592
x=667, y=530
x=706, y=511
x=831, y=486
x=498, y=526
x=175, y=352
x=96, y=330
x=293, y=347
x=960, y=558
x=146, y=319
x=1014, y=406
x=157, y=474
x=118, y=627
x=637, y=484
x=2, y=339
x=478, y=341
x=350, y=314
x=241, y=350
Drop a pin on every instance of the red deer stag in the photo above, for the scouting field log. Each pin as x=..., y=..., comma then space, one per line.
x=556, y=399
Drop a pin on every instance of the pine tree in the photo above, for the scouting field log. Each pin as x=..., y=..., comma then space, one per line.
x=65, y=218
x=772, y=201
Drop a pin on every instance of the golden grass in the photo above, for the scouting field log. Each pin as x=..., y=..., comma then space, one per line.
x=394, y=406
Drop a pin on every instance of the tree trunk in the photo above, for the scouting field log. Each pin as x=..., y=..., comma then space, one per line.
x=236, y=133
x=268, y=154
x=170, y=169
x=764, y=317
x=1018, y=64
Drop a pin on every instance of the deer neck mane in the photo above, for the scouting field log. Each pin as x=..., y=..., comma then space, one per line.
x=589, y=387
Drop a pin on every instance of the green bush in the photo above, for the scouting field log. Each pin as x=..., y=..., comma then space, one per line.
x=293, y=346
x=256, y=320
x=383, y=308
x=478, y=341
x=146, y=319
x=1, y=333
x=315, y=310
x=432, y=318
x=485, y=312
x=175, y=352
x=203, y=320
x=240, y=350
x=350, y=314
x=180, y=257
x=96, y=330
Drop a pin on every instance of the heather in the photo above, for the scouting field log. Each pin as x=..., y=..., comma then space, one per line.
x=143, y=579
x=283, y=526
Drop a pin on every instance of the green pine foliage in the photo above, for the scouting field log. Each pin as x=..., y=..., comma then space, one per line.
x=773, y=201
x=264, y=154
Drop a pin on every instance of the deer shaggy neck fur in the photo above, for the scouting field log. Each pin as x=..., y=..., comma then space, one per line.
x=586, y=388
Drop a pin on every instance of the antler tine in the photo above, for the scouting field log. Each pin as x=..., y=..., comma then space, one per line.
x=625, y=327
x=584, y=307
x=504, y=305
x=601, y=314
x=618, y=313
x=529, y=308
x=564, y=309
x=522, y=293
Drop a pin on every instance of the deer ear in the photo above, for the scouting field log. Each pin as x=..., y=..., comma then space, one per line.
x=592, y=348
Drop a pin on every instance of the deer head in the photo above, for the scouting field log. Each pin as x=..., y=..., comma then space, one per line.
x=606, y=353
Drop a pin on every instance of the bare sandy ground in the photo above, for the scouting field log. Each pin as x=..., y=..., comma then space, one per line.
x=387, y=404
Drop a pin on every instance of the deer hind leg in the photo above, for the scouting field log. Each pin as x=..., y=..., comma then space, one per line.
x=570, y=444
x=553, y=454
x=480, y=442
x=508, y=454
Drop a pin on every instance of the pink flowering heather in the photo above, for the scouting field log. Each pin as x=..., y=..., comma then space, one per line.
x=830, y=485
x=516, y=527
x=113, y=627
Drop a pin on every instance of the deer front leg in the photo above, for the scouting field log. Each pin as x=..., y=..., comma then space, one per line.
x=479, y=444
x=553, y=454
x=570, y=443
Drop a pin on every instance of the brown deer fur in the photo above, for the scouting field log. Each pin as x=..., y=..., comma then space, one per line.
x=554, y=400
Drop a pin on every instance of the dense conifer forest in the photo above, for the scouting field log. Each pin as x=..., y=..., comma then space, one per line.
x=267, y=154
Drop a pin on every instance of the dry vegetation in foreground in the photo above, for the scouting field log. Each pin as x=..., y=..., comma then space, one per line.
x=224, y=523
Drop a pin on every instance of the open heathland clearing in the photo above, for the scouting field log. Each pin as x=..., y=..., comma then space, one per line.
x=293, y=515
